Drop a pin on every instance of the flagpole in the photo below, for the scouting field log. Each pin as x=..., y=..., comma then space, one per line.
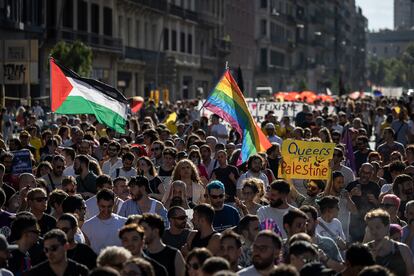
x=226, y=67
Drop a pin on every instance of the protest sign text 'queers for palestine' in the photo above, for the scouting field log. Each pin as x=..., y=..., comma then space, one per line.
x=306, y=160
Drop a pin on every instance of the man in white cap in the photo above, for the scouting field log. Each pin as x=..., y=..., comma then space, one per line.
x=271, y=134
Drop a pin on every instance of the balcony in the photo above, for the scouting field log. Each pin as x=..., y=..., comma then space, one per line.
x=142, y=54
x=158, y=5
x=185, y=59
x=96, y=41
x=208, y=19
x=183, y=13
x=223, y=46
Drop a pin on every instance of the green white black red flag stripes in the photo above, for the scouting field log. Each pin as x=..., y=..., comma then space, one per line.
x=72, y=94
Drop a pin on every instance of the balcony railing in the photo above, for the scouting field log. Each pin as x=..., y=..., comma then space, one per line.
x=223, y=46
x=93, y=40
x=160, y=5
x=208, y=18
x=142, y=54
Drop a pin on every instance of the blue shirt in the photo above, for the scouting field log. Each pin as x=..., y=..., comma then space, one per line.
x=406, y=232
x=225, y=218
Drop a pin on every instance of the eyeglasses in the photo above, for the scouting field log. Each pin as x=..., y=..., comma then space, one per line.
x=194, y=266
x=52, y=248
x=216, y=196
x=180, y=218
x=40, y=199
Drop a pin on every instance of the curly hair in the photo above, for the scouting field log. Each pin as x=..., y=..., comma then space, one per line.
x=195, y=177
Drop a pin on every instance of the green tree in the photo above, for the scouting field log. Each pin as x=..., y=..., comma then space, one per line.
x=76, y=56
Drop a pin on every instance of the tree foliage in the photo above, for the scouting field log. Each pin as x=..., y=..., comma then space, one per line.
x=76, y=56
x=393, y=71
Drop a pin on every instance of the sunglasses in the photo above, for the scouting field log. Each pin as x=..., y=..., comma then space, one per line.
x=40, y=199
x=194, y=266
x=216, y=196
x=52, y=248
x=180, y=218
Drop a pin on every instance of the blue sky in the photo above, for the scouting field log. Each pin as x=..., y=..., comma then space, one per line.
x=380, y=13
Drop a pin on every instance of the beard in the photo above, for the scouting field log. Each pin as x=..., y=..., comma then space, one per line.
x=261, y=264
x=276, y=203
x=78, y=171
x=255, y=170
x=176, y=201
x=137, y=196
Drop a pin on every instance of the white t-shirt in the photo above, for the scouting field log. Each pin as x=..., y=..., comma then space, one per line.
x=92, y=206
x=249, y=271
x=219, y=129
x=276, y=214
x=122, y=172
x=349, y=175
x=248, y=174
x=69, y=171
x=335, y=226
x=108, y=168
x=103, y=233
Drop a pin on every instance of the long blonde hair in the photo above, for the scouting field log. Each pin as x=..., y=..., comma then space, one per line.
x=176, y=175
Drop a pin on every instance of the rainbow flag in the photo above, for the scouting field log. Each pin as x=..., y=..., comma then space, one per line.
x=227, y=101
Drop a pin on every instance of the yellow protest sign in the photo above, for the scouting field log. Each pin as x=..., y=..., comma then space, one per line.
x=306, y=160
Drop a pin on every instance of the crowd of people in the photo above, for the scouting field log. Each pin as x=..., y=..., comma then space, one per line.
x=174, y=199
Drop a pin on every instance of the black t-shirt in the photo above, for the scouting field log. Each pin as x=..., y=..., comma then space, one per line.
x=166, y=258
x=360, y=158
x=159, y=269
x=154, y=183
x=73, y=269
x=6, y=219
x=273, y=165
x=9, y=191
x=223, y=174
x=83, y=254
x=176, y=241
x=46, y=223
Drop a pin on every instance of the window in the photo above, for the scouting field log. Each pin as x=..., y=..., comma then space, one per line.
x=128, y=32
x=166, y=39
x=120, y=25
x=263, y=4
x=67, y=20
x=190, y=44
x=277, y=59
x=385, y=50
x=137, y=25
x=174, y=40
x=182, y=42
x=82, y=15
x=107, y=14
x=263, y=27
x=95, y=18
x=263, y=58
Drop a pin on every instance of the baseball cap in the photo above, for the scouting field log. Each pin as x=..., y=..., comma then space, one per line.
x=270, y=126
x=4, y=245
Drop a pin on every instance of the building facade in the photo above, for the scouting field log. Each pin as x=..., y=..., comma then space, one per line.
x=403, y=14
x=306, y=44
x=389, y=44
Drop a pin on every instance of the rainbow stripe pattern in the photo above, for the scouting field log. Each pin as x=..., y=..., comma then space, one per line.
x=227, y=101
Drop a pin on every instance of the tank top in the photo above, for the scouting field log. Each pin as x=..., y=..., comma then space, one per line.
x=166, y=258
x=393, y=261
x=199, y=242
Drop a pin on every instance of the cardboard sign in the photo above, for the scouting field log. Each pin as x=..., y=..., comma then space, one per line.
x=306, y=160
x=22, y=163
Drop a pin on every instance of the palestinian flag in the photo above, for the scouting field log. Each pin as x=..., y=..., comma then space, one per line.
x=72, y=94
